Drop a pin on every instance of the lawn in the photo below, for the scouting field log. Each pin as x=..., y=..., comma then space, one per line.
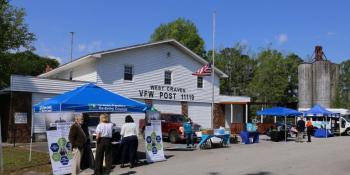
x=16, y=161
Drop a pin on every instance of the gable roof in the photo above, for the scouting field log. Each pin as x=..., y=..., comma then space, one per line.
x=91, y=56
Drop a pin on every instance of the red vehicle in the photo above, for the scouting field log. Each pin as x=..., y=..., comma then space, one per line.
x=171, y=127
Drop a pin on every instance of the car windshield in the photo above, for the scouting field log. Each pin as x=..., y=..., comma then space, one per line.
x=177, y=118
x=347, y=118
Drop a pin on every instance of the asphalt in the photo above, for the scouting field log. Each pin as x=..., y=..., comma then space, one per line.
x=326, y=156
x=329, y=156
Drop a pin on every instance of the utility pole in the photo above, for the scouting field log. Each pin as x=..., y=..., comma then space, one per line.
x=213, y=73
x=71, y=55
x=71, y=46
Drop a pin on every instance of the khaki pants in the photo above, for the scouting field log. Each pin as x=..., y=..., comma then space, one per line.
x=76, y=160
x=300, y=137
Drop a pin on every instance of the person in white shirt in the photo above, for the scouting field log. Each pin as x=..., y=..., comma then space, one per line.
x=104, y=131
x=129, y=142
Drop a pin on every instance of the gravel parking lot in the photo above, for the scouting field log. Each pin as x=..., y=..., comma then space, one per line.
x=329, y=156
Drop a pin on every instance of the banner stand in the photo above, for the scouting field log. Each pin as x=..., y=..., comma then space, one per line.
x=154, y=142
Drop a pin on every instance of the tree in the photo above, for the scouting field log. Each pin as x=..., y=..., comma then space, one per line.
x=275, y=77
x=292, y=62
x=14, y=32
x=342, y=98
x=238, y=66
x=182, y=30
x=23, y=63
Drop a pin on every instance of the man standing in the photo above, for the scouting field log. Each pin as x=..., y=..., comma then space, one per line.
x=301, y=129
x=77, y=138
x=309, y=129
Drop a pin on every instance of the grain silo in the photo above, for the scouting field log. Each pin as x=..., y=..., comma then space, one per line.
x=305, y=85
x=318, y=81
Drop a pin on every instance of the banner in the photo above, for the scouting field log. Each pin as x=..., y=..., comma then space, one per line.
x=154, y=142
x=60, y=149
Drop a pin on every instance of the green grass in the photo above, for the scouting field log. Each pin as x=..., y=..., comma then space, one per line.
x=16, y=161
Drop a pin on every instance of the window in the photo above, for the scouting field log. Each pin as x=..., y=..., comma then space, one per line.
x=199, y=82
x=167, y=77
x=128, y=72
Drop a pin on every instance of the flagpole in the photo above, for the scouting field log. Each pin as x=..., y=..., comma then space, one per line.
x=213, y=73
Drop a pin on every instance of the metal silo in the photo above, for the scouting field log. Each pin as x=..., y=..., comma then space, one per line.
x=335, y=68
x=305, y=85
x=318, y=81
x=322, y=83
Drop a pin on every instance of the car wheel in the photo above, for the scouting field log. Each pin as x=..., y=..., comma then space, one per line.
x=173, y=136
x=347, y=132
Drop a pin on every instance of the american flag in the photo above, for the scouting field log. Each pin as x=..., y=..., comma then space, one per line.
x=204, y=71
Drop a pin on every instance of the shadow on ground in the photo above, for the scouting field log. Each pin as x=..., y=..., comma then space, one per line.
x=260, y=173
x=128, y=173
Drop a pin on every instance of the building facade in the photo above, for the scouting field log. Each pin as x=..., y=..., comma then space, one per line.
x=157, y=73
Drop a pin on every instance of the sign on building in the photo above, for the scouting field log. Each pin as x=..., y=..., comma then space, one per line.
x=21, y=118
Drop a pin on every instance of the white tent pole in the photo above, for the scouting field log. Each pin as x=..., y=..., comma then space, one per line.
x=326, y=127
x=285, y=128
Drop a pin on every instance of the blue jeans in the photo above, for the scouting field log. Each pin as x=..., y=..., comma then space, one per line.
x=189, y=139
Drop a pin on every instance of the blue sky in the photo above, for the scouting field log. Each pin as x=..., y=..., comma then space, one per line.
x=289, y=26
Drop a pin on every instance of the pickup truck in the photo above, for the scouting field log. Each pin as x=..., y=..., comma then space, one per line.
x=172, y=127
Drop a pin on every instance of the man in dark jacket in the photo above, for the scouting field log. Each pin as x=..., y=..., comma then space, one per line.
x=87, y=156
x=77, y=138
x=301, y=129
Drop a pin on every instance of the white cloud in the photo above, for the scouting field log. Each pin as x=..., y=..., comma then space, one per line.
x=81, y=47
x=282, y=38
x=331, y=33
x=59, y=59
x=90, y=47
x=243, y=42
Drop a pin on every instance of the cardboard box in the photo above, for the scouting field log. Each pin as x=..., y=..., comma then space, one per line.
x=208, y=131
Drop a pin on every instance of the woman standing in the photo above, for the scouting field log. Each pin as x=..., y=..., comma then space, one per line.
x=129, y=142
x=104, y=132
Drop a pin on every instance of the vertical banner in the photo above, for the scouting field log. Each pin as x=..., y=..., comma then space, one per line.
x=154, y=142
x=60, y=149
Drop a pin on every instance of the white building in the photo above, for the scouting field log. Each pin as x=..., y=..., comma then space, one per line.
x=158, y=73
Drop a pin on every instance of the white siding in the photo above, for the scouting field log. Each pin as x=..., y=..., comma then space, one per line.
x=200, y=113
x=149, y=64
x=85, y=73
x=168, y=106
x=39, y=120
x=42, y=85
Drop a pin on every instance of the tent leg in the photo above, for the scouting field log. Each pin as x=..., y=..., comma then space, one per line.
x=285, y=128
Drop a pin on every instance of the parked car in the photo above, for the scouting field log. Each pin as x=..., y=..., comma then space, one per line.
x=172, y=127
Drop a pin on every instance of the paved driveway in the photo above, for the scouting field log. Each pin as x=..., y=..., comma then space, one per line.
x=321, y=157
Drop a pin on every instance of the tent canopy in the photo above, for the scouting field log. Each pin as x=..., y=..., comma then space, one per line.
x=279, y=111
x=318, y=110
x=90, y=98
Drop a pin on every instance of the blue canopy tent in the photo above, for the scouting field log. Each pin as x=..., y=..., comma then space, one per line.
x=280, y=112
x=319, y=111
x=88, y=98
